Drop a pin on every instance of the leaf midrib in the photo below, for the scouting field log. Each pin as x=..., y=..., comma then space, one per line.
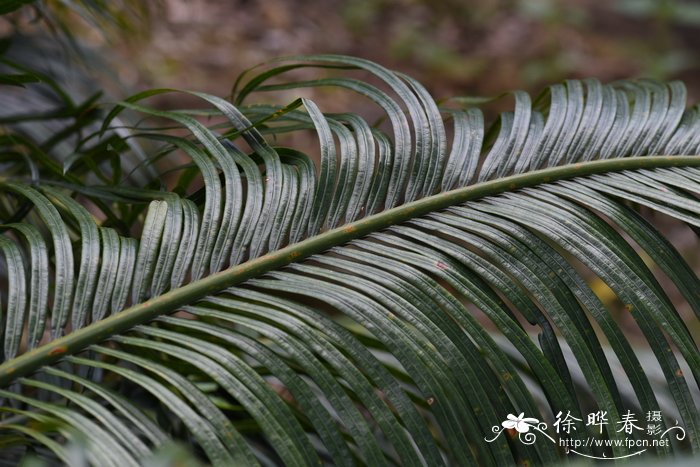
x=170, y=301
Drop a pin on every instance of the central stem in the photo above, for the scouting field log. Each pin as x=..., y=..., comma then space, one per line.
x=169, y=302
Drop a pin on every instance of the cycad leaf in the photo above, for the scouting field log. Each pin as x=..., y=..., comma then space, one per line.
x=387, y=301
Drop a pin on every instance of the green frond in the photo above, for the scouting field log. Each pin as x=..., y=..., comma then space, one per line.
x=385, y=298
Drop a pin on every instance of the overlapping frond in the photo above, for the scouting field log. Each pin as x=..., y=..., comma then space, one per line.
x=444, y=281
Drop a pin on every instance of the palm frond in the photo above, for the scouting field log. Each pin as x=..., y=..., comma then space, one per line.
x=386, y=302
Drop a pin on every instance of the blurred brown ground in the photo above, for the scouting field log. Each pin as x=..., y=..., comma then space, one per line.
x=454, y=47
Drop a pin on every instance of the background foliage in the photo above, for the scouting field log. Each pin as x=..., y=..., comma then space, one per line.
x=460, y=47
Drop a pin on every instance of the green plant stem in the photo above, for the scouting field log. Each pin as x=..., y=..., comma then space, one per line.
x=169, y=302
